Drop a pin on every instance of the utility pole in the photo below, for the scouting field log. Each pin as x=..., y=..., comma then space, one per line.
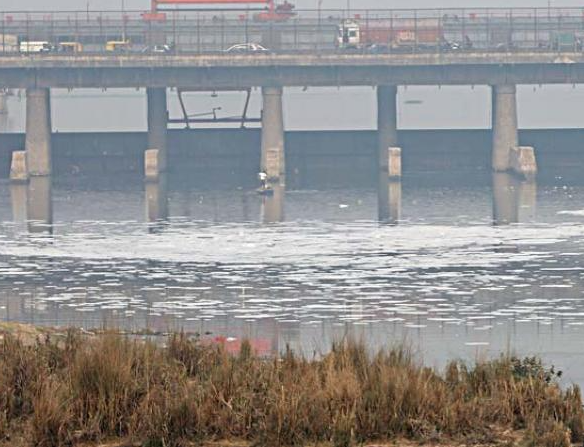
x=123, y=20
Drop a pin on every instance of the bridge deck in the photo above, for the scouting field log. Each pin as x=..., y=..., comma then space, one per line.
x=227, y=71
x=286, y=60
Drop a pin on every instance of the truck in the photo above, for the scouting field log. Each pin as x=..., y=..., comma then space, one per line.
x=70, y=47
x=118, y=46
x=392, y=35
x=566, y=41
x=28, y=47
x=8, y=43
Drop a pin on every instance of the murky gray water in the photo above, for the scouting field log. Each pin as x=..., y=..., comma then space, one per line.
x=456, y=272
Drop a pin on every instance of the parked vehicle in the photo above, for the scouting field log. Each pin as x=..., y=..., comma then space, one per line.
x=117, y=46
x=247, y=48
x=69, y=47
x=36, y=47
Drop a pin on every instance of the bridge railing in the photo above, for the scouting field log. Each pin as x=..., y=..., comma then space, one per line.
x=399, y=30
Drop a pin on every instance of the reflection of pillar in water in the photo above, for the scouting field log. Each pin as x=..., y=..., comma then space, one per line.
x=505, y=205
x=18, y=196
x=273, y=204
x=275, y=349
x=290, y=335
x=514, y=200
x=389, y=197
x=40, y=205
x=157, y=199
x=245, y=207
x=527, y=196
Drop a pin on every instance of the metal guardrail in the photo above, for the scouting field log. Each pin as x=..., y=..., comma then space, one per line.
x=430, y=30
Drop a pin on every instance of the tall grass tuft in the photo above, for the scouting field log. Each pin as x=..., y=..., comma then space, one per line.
x=76, y=390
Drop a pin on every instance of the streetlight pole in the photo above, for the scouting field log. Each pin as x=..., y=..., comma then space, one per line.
x=123, y=20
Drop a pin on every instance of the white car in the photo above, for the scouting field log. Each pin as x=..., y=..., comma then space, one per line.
x=36, y=47
x=160, y=49
x=247, y=48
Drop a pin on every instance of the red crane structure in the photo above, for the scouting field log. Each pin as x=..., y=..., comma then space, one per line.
x=271, y=11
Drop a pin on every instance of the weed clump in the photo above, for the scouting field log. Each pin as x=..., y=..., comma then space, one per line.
x=65, y=392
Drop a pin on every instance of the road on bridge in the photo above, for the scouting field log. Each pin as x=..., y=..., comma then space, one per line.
x=309, y=31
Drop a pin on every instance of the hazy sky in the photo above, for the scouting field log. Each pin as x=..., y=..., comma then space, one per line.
x=332, y=4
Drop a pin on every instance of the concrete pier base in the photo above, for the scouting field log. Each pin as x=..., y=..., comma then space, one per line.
x=523, y=162
x=158, y=124
x=38, y=132
x=386, y=122
x=504, y=122
x=394, y=163
x=273, y=162
x=152, y=165
x=18, y=168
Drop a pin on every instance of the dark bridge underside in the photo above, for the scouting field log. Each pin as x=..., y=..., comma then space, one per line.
x=227, y=71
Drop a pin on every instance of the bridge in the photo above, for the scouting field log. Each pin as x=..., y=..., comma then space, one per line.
x=383, y=49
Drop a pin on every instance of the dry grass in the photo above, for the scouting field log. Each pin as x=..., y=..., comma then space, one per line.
x=80, y=390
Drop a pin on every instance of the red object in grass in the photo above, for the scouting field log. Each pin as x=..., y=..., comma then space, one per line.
x=260, y=346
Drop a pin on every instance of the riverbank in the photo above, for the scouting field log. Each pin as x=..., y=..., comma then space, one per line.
x=68, y=388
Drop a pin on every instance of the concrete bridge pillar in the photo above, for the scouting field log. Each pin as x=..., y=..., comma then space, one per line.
x=158, y=124
x=504, y=122
x=386, y=123
x=38, y=131
x=273, y=162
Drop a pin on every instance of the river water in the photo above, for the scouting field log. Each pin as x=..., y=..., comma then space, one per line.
x=454, y=269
